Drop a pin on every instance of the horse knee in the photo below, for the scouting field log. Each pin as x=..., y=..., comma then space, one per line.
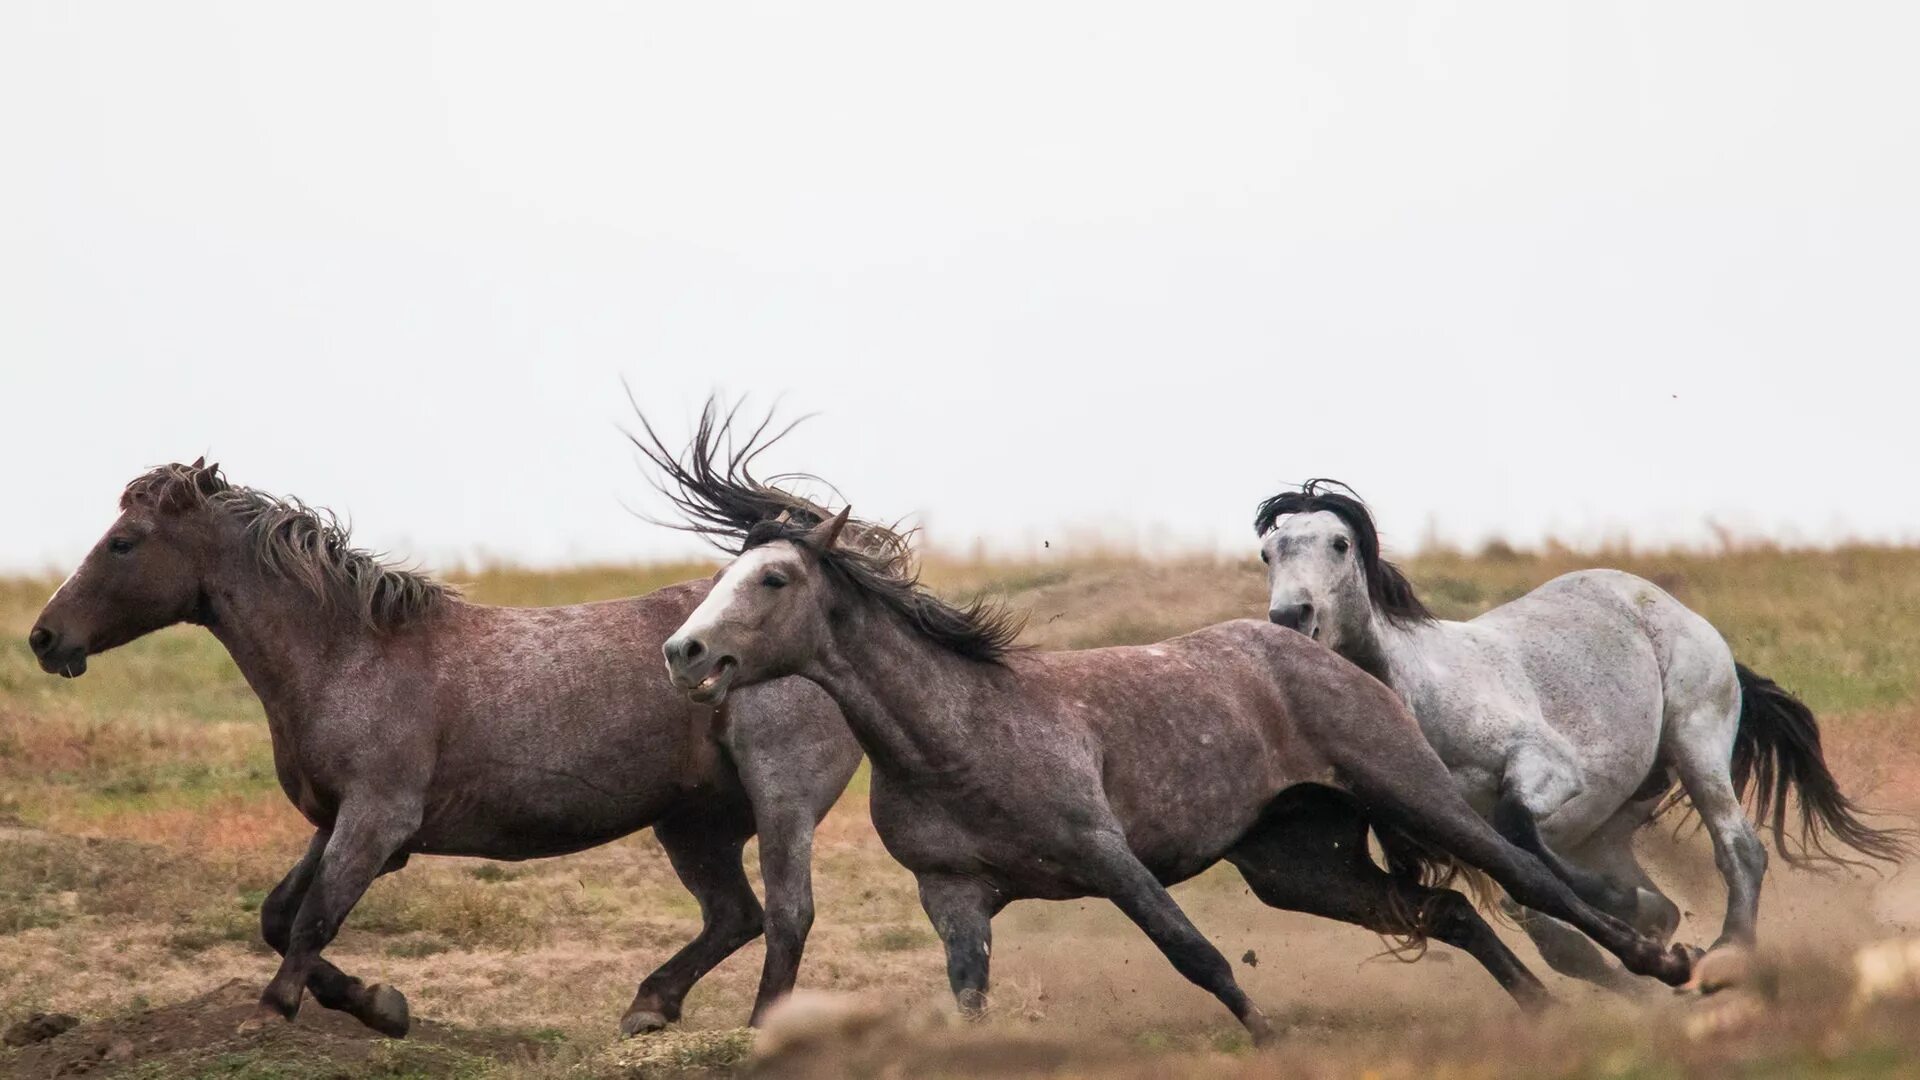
x=790, y=920
x=739, y=925
x=1542, y=780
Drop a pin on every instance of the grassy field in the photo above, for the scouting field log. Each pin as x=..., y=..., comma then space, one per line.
x=141, y=825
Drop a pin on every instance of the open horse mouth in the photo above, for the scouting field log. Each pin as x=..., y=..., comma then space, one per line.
x=71, y=666
x=711, y=689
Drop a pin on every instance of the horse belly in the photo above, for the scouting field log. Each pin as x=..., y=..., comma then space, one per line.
x=538, y=802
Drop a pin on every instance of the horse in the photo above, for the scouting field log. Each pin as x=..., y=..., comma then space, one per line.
x=407, y=721
x=1572, y=711
x=1001, y=773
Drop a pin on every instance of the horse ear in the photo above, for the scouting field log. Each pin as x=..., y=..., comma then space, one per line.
x=208, y=478
x=822, y=536
x=200, y=462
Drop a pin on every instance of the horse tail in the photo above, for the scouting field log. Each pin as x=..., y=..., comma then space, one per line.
x=1414, y=862
x=1776, y=749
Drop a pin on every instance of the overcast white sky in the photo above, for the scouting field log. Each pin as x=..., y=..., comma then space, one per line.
x=1525, y=269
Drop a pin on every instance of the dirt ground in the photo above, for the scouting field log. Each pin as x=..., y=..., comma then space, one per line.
x=142, y=828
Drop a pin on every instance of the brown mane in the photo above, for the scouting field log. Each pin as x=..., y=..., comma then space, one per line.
x=298, y=543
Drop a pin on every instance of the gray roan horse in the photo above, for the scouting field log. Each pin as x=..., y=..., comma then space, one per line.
x=1573, y=709
x=406, y=721
x=1001, y=774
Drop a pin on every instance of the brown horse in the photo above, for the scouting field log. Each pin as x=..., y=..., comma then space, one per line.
x=406, y=721
x=1001, y=774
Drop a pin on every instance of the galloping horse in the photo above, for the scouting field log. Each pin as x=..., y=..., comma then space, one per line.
x=406, y=721
x=1573, y=709
x=1001, y=774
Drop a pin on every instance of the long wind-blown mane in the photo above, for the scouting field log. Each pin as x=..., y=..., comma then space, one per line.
x=713, y=487
x=296, y=542
x=1392, y=594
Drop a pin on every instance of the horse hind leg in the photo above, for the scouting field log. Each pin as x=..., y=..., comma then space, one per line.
x=1519, y=826
x=1569, y=952
x=1406, y=785
x=1111, y=869
x=1311, y=856
x=1609, y=852
x=705, y=851
x=1702, y=747
x=377, y=1005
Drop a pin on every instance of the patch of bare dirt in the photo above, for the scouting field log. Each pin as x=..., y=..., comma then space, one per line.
x=200, y=1035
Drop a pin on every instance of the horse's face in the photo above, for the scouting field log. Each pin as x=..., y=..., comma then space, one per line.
x=1315, y=583
x=767, y=616
x=144, y=574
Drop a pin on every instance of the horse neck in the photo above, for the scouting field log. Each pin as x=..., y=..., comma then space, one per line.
x=905, y=697
x=279, y=635
x=1391, y=651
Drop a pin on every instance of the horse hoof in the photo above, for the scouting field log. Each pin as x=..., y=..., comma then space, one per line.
x=385, y=1011
x=641, y=1022
x=263, y=1017
x=1721, y=967
x=1261, y=1030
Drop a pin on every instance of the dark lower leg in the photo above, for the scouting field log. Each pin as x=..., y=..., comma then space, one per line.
x=786, y=872
x=1137, y=893
x=1515, y=823
x=356, y=852
x=378, y=1007
x=1312, y=857
x=1569, y=952
x=1531, y=884
x=961, y=910
x=707, y=857
x=1742, y=861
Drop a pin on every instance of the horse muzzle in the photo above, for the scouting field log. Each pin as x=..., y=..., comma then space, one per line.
x=697, y=672
x=1298, y=617
x=56, y=656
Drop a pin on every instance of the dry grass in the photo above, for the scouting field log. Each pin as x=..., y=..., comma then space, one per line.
x=141, y=825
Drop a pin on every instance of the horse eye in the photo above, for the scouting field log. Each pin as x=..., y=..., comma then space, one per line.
x=1340, y=544
x=1263, y=556
x=773, y=581
x=119, y=545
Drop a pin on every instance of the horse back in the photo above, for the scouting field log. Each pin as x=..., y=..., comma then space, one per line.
x=1196, y=735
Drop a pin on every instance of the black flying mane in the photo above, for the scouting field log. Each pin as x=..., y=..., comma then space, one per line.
x=1389, y=590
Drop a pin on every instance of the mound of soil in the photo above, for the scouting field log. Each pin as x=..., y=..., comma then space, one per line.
x=200, y=1037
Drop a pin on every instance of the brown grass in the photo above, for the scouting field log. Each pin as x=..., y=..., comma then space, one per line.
x=141, y=825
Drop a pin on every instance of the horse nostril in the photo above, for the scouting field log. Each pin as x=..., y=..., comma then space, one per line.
x=692, y=650
x=1291, y=616
x=39, y=640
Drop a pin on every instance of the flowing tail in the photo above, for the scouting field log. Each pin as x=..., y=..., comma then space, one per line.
x=1777, y=750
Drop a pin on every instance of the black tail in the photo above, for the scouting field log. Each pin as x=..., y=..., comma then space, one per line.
x=1777, y=750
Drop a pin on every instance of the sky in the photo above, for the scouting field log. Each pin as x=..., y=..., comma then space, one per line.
x=1039, y=273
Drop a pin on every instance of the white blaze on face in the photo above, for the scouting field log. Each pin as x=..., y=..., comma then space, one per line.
x=716, y=608
x=62, y=588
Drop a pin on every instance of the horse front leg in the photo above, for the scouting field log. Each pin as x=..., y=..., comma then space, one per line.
x=786, y=872
x=378, y=1006
x=365, y=840
x=961, y=910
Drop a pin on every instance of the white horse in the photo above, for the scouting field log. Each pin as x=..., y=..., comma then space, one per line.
x=1566, y=716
